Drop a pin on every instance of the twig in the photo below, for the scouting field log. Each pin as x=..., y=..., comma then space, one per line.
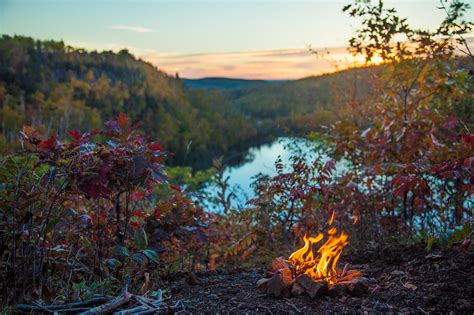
x=61, y=308
x=153, y=310
x=145, y=302
x=344, y=271
x=115, y=303
x=74, y=310
x=297, y=310
x=131, y=310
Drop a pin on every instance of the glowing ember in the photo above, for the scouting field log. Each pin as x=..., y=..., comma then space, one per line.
x=320, y=264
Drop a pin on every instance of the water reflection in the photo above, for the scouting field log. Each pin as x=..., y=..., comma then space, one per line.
x=261, y=160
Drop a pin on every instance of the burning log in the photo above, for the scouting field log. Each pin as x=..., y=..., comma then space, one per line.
x=283, y=283
x=314, y=272
x=351, y=274
x=277, y=264
x=313, y=288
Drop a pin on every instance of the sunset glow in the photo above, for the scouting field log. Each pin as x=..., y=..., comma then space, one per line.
x=240, y=39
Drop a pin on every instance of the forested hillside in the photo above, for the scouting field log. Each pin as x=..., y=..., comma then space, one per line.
x=56, y=88
x=59, y=88
x=307, y=104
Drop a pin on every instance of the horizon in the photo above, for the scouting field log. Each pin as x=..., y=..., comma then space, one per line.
x=199, y=39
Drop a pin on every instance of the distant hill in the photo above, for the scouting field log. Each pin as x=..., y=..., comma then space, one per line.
x=58, y=88
x=294, y=107
x=224, y=83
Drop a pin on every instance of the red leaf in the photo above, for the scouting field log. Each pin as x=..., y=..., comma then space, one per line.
x=135, y=225
x=76, y=135
x=155, y=146
x=49, y=143
x=94, y=131
x=95, y=190
x=175, y=188
x=468, y=139
x=469, y=162
x=123, y=120
x=139, y=213
x=137, y=195
x=157, y=214
x=111, y=134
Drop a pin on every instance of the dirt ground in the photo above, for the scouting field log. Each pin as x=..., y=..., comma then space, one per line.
x=408, y=280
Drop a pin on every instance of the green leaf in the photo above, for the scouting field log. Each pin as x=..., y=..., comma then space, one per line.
x=114, y=263
x=140, y=239
x=139, y=258
x=122, y=251
x=151, y=254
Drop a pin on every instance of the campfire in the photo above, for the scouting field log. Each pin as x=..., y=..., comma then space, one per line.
x=313, y=269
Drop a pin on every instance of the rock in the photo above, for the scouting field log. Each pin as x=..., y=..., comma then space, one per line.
x=277, y=264
x=297, y=289
x=280, y=282
x=313, y=288
x=358, y=287
x=262, y=284
x=337, y=289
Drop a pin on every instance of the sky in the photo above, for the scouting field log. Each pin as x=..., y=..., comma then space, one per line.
x=252, y=39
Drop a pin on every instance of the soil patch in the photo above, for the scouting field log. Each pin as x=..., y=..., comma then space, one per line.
x=402, y=280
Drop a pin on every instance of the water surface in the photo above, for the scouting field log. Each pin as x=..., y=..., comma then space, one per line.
x=261, y=160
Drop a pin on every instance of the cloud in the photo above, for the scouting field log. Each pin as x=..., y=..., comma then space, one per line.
x=135, y=29
x=264, y=64
x=275, y=64
x=278, y=64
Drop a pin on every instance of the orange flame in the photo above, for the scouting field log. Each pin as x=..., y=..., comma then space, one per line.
x=332, y=217
x=320, y=265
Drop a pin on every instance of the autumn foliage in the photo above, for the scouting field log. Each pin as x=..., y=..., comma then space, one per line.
x=98, y=210
x=78, y=211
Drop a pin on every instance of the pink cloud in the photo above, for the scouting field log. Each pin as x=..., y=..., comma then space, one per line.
x=267, y=64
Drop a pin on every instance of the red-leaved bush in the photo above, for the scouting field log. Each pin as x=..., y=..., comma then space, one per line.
x=90, y=214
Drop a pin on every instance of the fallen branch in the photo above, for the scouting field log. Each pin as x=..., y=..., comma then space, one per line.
x=115, y=303
x=131, y=310
x=61, y=308
x=145, y=305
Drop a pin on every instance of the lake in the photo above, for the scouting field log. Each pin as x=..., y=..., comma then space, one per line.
x=261, y=160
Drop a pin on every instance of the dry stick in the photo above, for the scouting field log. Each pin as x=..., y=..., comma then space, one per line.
x=62, y=308
x=145, y=302
x=115, y=303
x=150, y=311
x=132, y=310
x=297, y=310
x=344, y=271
